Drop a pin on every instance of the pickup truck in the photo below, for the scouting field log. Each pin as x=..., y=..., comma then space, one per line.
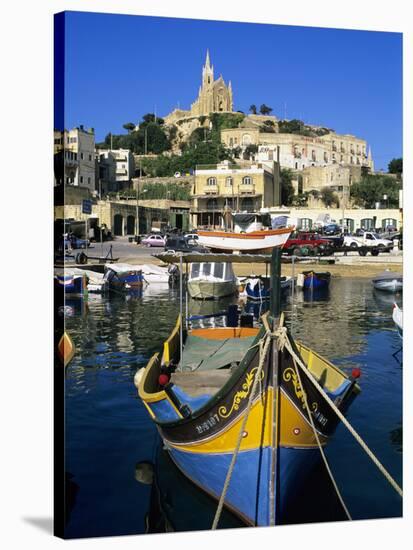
x=370, y=241
x=306, y=244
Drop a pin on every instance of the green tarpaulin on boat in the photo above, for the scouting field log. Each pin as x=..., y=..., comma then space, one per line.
x=202, y=354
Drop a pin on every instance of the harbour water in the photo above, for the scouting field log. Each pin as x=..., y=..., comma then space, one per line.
x=109, y=433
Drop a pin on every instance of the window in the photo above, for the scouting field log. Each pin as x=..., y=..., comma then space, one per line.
x=247, y=180
x=90, y=157
x=296, y=165
x=366, y=223
x=211, y=181
x=81, y=179
x=219, y=271
x=305, y=223
x=246, y=139
x=195, y=270
x=207, y=269
x=231, y=142
x=228, y=182
x=81, y=156
x=389, y=222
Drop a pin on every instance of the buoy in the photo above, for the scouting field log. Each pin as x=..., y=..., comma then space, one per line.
x=163, y=379
x=356, y=373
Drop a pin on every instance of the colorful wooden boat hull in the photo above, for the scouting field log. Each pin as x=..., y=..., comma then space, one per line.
x=256, y=241
x=201, y=433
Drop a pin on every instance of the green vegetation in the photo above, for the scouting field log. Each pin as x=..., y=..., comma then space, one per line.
x=296, y=126
x=265, y=110
x=287, y=189
x=150, y=138
x=329, y=198
x=250, y=150
x=253, y=109
x=371, y=189
x=396, y=166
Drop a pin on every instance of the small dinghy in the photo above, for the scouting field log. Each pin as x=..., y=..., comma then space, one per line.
x=316, y=280
x=123, y=277
x=388, y=281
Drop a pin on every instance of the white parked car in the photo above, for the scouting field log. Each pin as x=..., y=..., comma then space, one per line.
x=192, y=238
x=368, y=239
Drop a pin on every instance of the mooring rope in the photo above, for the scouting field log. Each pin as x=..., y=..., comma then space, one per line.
x=330, y=473
x=285, y=342
x=263, y=353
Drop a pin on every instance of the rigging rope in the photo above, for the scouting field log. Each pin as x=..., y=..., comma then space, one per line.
x=263, y=353
x=286, y=342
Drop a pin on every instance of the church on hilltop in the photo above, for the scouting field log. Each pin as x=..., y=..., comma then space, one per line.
x=214, y=97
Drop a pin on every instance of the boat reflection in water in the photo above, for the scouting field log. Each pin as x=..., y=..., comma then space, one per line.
x=177, y=504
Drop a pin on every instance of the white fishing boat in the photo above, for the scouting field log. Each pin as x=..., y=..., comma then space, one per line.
x=388, y=281
x=398, y=318
x=209, y=280
x=251, y=232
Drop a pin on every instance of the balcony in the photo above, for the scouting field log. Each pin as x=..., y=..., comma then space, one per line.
x=248, y=188
x=210, y=189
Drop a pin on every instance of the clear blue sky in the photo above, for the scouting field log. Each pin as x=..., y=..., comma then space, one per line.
x=119, y=67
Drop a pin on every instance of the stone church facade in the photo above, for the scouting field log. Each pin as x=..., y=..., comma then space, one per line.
x=214, y=97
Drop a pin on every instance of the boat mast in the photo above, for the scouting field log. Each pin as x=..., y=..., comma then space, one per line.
x=275, y=310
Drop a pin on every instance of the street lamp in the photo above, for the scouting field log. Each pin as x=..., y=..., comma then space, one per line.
x=385, y=197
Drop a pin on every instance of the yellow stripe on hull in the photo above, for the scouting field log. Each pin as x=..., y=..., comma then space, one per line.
x=295, y=430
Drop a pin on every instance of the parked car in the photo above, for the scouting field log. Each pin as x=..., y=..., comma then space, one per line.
x=153, y=240
x=368, y=242
x=303, y=244
x=75, y=243
x=331, y=229
x=181, y=244
x=192, y=238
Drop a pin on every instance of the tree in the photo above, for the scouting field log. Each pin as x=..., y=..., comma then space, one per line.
x=253, y=109
x=250, y=150
x=287, y=189
x=265, y=110
x=129, y=126
x=371, y=189
x=328, y=197
x=396, y=166
x=151, y=117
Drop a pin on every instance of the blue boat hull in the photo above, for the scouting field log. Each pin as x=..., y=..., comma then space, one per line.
x=248, y=492
x=316, y=282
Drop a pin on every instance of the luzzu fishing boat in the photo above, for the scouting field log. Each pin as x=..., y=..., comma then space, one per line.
x=72, y=281
x=242, y=411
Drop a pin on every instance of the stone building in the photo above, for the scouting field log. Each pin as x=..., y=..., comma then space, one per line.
x=214, y=96
x=116, y=169
x=229, y=186
x=74, y=152
x=299, y=152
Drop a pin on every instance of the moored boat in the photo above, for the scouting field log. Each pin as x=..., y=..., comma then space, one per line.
x=397, y=317
x=211, y=280
x=388, y=281
x=242, y=411
x=72, y=281
x=258, y=288
x=123, y=277
x=316, y=280
x=256, y=241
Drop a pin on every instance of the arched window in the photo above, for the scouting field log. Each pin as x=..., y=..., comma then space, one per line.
x=367, y=223
x=389, y=222
x=246, y=139
x=246, y=180
x=211, y=181
x=228, y=182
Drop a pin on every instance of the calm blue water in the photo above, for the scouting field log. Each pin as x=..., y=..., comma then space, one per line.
x=108, y=431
